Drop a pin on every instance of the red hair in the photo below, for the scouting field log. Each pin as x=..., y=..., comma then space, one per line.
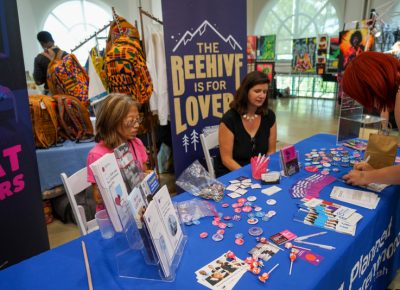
x=372, y=79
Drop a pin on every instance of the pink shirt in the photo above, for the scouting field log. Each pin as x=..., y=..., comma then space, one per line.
x=139, y=153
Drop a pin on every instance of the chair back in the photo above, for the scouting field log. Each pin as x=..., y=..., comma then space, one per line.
x=73, y=185
x=209, y=142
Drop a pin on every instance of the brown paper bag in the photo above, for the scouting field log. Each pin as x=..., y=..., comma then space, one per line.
x=382, y=150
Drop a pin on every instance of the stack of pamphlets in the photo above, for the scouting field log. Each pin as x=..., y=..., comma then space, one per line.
x=165, y=230
x=113, y=190
x=357, y=197
x=222, y=273
x=328, y=215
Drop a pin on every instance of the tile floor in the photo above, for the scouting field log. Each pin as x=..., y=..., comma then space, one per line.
x=297, y=118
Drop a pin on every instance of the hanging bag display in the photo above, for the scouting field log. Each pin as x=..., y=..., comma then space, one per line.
x=125, y=65
x=66, y=76
x=382, y=149
x=44, y=120
x=74, y=118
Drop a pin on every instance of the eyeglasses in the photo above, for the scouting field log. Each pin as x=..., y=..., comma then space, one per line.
x=132, y=122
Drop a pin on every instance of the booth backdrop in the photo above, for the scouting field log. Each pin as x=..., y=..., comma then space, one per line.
x=22, y=226
x=205, y=54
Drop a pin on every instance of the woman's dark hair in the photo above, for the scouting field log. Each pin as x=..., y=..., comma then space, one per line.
x=44, y=37
x=240, y=99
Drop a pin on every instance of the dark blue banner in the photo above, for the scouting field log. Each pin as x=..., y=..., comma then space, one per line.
x=22, y=226
x=205, y=46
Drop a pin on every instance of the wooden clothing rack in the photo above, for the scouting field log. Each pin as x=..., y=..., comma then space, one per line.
x=91, y=36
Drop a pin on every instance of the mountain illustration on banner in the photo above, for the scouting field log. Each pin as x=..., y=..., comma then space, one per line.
x=188, y=36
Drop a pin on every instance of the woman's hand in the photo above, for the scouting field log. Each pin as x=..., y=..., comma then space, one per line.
x=357, y=177
x=363, y=166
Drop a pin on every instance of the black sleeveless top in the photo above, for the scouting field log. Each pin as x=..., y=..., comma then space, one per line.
x=245, y=147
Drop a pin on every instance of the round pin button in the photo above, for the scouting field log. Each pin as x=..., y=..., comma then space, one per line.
x=247, y=208
x=222, y=225
x=227, y=218
x=238, y=210
x=260, y=214
x=204, y=235
x=255, y=231
x=258, y=208
x=225, y=205
x=217, y=237
x=241, y=200
x=221, y=232
x=271, y=201
x=252, y=221
x=237, y=217
x=239, y=236
x=271, y=213
x=239, y=242
x=251, y=198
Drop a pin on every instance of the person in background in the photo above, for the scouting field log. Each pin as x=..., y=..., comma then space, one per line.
x=117, y=122
x=373, y=80
x=249, y=127
x=43, y=59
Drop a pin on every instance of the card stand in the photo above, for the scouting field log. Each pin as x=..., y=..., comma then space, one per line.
x=130, y=264
x=141, y=248
x=282, y=171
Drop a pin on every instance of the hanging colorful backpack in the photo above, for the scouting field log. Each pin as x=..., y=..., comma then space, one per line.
x=74, y=118
x=66, y=76
x=44, y=120
x=121, y=27
x=125, y=64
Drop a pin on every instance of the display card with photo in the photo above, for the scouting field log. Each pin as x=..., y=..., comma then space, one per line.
x=264, y=251
x=169, y=218
x=221, y=273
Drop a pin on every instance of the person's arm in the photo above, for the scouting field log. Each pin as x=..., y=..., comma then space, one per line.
x=225, y=140
x=96, y=194
x=272, y=140
x=39, y=70
x=387, y=175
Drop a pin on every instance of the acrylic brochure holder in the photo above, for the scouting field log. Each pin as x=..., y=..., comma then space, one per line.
x=139, y=259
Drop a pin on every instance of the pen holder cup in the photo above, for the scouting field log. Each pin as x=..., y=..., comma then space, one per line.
x=258, y=168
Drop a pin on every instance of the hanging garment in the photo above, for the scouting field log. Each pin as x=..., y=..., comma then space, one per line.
x=156, y=62
x=97, y=90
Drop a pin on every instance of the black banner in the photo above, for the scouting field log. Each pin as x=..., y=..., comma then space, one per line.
x=22, y=226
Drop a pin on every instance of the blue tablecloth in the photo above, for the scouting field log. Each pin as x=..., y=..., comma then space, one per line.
x=69, y=157
x=370, y=259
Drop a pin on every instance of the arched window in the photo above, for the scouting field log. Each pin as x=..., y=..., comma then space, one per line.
x=73, y=21
x=291, y=19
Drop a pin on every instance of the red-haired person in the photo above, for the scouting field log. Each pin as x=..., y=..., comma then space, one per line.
x=373, y=80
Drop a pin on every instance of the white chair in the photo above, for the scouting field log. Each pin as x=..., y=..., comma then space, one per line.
x=73, y=185
x=209, y=142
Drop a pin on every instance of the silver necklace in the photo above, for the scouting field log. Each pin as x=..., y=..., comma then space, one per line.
x=250, y=118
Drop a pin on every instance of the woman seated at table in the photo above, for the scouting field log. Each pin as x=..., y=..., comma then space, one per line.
x=249, y=127
x=373, y=80
x=117, y=122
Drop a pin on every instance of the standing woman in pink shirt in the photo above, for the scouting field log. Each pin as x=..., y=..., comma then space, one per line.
x=117, y=122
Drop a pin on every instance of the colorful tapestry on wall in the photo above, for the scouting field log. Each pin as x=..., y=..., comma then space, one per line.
x=352, y=43
x=304, y=52
x=333, y=56
x=251, y=48
x=266, y=48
